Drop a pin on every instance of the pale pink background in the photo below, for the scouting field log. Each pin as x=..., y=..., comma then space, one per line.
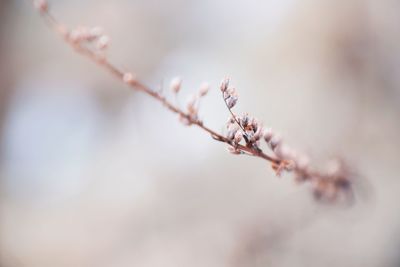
x=93, y=174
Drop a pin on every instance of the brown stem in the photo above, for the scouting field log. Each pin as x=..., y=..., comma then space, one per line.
x=115, y=71
x=101, y=60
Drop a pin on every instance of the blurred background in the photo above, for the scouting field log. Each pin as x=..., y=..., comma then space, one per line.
x=94, y=174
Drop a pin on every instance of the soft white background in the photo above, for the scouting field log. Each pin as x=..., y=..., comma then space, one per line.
x=94, y=174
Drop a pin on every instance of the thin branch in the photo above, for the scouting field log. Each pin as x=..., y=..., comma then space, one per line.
x=327, y=186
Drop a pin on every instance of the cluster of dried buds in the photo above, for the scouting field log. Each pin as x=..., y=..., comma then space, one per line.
x=229, y=94
x=243, y=128
x=244, y=134
x=247, y=132
x=250, y=132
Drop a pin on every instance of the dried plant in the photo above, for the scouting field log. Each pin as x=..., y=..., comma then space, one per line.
x=244, y=133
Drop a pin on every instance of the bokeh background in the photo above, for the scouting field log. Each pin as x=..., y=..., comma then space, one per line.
x=94, y=174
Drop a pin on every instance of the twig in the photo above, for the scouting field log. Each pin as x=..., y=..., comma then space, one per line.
x=91, y=42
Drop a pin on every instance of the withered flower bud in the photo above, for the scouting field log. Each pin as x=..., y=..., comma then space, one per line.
x=224, y=84
x=238, y=137
x=231, y=101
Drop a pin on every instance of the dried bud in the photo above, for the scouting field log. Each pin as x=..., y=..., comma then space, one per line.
x=254, y=122
x=176, y=84
x=230, y=121
x=244, y=120
x=238, y=137
x=231, y=101
x=249, y=134
x=283, y=151
x=128, y=77
x=268, y=134
x=103, y=42
x=224, y=84
x=232, y=132
x=259, y=131
x=184, y=120
x=41, y=5
x=204, y=88
x=231, y=92
x=191, y=106
x=275, y=142
x=76, y=35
